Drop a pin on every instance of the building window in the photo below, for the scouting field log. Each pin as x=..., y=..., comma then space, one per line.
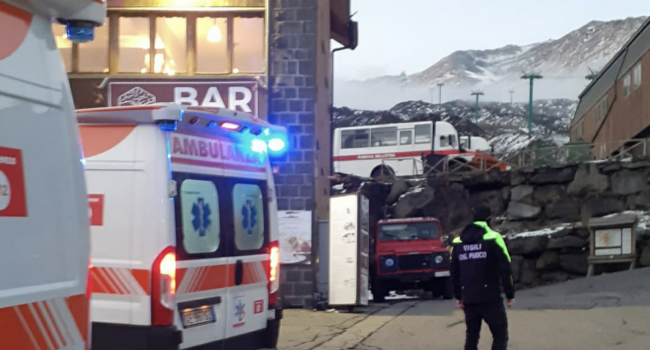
x=64, y=45
x=248, y=50
x=627, y=86
x=171, y=36
x=384, y=137
x=601, y=109
x=134, y=45
x=637, y=75
x=93, y=55
x=212, y=45
x=355, y=138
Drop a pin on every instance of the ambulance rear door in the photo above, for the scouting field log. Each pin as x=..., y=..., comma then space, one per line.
x=202, y=240
x=247, y=217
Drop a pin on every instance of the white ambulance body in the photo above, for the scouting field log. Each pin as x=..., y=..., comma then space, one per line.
x=184, y=227
x=44, y=231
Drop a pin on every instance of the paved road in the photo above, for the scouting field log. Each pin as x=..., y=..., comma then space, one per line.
x=604, y=312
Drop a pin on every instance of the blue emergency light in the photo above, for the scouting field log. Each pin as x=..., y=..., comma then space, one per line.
x=80, y=31
x=269, y=141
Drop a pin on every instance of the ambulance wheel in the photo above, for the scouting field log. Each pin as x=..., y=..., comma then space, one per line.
x=448, y=291
x=271, y=334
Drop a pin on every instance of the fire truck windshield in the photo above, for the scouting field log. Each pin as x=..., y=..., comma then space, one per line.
x=408, y=231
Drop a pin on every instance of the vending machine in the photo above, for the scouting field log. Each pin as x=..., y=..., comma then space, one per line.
x=349, y=250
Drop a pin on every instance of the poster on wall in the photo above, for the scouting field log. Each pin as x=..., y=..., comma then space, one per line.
x=348, y=253
x=295, y=237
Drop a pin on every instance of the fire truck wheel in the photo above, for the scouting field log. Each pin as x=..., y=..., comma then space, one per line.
x=448, y=291
x=271, y=334
x=379, y=293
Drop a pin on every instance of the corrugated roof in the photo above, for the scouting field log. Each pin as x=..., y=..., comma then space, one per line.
x=609, y=74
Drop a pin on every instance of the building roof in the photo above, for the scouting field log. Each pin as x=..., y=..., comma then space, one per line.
x=622, y=61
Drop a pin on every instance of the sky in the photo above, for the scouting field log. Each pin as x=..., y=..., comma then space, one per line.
x=411, y=35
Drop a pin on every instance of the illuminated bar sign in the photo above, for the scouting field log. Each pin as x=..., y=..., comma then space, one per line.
x=236, y=95
x=185, y=3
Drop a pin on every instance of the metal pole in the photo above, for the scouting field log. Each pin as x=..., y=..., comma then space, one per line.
x=476, y=111
x=530, y=108
x=532, y=78
x=477, y=93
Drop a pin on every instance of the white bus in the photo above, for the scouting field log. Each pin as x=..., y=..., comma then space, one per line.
x=399, y=148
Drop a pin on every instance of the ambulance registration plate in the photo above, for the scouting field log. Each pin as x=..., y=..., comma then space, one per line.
x=197, y=317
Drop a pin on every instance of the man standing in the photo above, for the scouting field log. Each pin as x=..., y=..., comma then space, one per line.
x=480, y=266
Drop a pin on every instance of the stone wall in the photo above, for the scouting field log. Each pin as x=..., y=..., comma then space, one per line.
x=292, y=104
x=540, y=211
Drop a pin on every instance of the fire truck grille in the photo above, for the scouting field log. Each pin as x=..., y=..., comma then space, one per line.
x=415, y=262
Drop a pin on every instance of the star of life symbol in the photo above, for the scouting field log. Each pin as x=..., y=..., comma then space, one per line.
x=240, y=309
x=249, y=217
x=201, y=212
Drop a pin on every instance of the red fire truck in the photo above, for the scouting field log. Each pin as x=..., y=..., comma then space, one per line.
x=409, y=254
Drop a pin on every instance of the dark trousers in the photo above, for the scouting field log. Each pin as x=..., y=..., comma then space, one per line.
x=495, y=316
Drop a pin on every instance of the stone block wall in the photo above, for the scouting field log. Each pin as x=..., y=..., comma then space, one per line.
x=292, y=104
x=543, y=212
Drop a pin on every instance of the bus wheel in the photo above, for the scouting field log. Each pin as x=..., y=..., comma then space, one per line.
x=271, y=334
x=382, y=172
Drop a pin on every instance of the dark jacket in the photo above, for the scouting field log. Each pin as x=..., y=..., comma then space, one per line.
x=480, y=265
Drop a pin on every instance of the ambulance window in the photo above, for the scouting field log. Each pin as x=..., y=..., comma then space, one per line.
x=200, y=216
x=248, y=207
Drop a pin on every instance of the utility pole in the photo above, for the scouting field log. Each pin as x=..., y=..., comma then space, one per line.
x=440, y=85
x=477, y=94
x=531, y=77
x=511, y=94
x=432, y=89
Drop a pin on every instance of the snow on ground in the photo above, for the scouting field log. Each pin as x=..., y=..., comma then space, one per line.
x=643, y=225
x=394, y=296
x=543, y=232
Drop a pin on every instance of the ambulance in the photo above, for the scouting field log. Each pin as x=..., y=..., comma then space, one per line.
x=184, y=227
x=44, y=225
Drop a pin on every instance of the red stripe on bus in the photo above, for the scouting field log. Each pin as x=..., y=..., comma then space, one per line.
x=389, y=155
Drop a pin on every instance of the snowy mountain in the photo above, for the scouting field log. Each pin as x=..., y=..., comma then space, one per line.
x=563, y=62
x=570, y=56
x=504, y=124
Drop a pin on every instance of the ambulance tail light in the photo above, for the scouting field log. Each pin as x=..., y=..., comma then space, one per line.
x=274, y=272
x=163, y=288
x=89, y=283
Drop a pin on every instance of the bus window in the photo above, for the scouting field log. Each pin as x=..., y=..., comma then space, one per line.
x=384, y=137
x=405, y=137
x=444, y=141
x=355, y=138
x=422, y=134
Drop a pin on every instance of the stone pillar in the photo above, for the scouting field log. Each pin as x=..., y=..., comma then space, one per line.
x=292, y=104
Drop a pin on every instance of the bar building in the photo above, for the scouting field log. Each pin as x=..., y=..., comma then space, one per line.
x=267, y=57
x=614, y=106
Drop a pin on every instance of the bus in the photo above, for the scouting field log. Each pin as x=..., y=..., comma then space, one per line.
x=392, y=149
